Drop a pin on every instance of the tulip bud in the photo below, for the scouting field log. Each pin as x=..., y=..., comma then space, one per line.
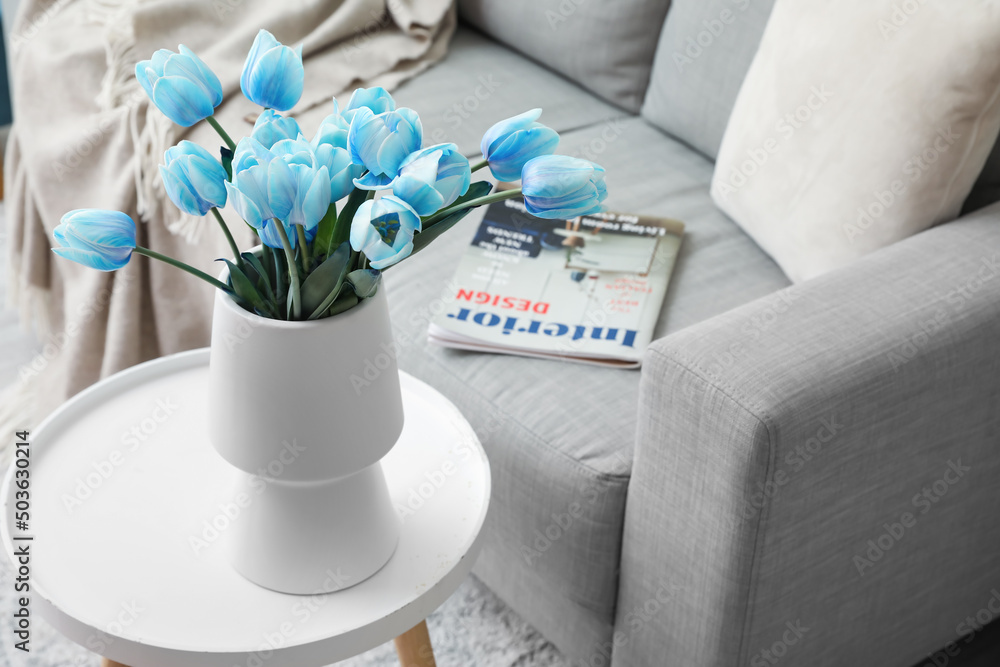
x=381, y=143
x=180, y=85
x=509, y=144
x=193, y=179
x=273, y=75
x=100, y=239
x=557, y=186
x=432, y=178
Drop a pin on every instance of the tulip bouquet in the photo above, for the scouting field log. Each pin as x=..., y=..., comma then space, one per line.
x=331, y=212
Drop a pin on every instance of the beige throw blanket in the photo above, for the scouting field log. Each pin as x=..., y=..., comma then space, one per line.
x=85, y=136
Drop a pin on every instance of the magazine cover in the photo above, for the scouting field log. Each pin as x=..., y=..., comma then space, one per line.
x=588, y=289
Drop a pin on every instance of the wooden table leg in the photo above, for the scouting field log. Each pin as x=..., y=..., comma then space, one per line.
x=414, y=647
x=110, y=663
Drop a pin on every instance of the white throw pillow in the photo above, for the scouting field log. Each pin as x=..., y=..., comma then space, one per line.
x=860, y=122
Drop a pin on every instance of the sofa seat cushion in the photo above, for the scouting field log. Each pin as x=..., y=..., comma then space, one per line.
x=560, y=435
x=481, y=82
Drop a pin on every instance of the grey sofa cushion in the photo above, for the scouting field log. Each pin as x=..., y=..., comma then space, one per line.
x=703, y=56
x=481, y=82
x=606, y=46
x=560, y=435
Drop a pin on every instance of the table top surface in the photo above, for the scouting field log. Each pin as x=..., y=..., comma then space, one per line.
x=130, y=506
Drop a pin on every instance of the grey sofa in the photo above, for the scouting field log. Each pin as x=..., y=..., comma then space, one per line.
x=806, y=474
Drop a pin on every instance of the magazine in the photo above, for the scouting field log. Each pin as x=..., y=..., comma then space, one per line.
x=587, y=289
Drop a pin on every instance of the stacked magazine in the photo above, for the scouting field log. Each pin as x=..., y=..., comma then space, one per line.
x=587, y=289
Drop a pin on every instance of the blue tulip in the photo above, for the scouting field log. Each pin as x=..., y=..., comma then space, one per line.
x=194, y=180
x=383, y=230
x=432, y=178
x=180, y=85
x=557, y=186
x=330, y=148
x=100, y=239
x=377, y=99
x=509, y=144
x=273, y=75
x=271, y=127
x=381, y=143
x=269, y=236
x=285, y=182
x=333, y=129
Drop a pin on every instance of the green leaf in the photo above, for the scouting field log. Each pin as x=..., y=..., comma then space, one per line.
x=244, y=287
x=423, y=239
x=227, y=162
x=261, y=272
x=343, y=230
x=280, y=274
x=346, y=301
x=325, y=282
x=323, y=244
x=364, y=282
x=267, y=259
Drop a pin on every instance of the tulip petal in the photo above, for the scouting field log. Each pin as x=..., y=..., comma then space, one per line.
x=506, y=127
x=112, y=229
x=189, y=66
x=146, y=76
x=372, y=181
x=207, y=177
x=269, y=236
x=182, y=101
x=361, y=226
x=377, y=99
x=94, y=260
x=276, y=81
x=263, y=42
x=316, y=200
x=245, y=206
x=511, y=153
x=397, y=256
x=180, y=195
x=280, y=188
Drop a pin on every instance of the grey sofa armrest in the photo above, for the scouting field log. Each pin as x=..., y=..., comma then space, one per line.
x=817, y=474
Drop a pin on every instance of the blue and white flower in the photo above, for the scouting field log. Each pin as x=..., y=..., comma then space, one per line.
x=99, y=239
x=180, y=85
x=558, y=186
x=432, y=178
x=383, y=230
x=381, y=143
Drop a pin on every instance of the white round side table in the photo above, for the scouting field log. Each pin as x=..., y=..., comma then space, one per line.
x=129, y=509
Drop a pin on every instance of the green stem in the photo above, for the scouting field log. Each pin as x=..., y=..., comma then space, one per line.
x=229, y=237
x=479, y=165
x=184, y=267
x=222, y=133
x=472, y=203
x=293, y=272
x=304, y=245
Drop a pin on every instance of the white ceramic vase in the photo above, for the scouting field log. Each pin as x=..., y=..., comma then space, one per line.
x=306, y=410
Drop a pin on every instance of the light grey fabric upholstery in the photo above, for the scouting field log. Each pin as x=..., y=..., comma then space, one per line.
x=703, y=56
x=835, y=469
x=481, y=82
x=560, y=435
x=605, y=46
